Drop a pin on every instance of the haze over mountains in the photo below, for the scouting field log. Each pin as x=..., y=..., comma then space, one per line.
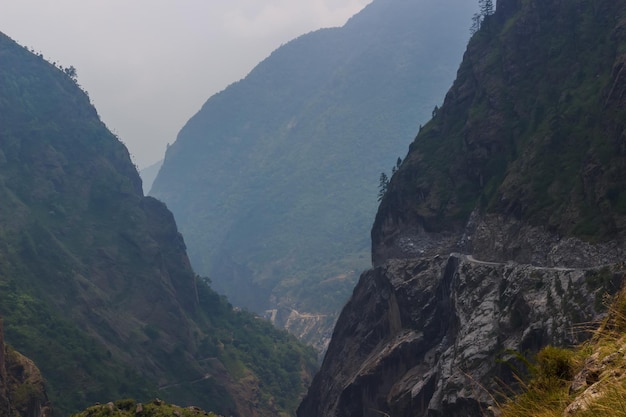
x=274, y=181
x=148, y=174
x=501, y=231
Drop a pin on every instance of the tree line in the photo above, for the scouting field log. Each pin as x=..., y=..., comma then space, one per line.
x=485, y=8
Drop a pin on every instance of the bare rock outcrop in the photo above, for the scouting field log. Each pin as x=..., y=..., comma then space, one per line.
x=431, y=336
x=22, y=388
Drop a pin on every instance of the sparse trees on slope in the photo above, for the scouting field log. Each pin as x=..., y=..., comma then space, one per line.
x=486, y=8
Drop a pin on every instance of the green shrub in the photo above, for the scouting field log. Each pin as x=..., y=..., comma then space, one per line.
x=555, y=363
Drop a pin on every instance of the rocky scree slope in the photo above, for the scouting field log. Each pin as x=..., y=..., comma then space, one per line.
x=273, y=182
x=523, y=170
x=95, y=283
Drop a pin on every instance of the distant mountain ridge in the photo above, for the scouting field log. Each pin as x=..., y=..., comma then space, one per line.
x=273, y=182
x=95, y=283
x=148, y=174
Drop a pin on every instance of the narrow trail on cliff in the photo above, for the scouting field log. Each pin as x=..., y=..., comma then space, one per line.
x=470, y=258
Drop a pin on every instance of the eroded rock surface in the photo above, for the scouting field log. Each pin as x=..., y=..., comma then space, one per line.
x=22, y=388
x=430, y=336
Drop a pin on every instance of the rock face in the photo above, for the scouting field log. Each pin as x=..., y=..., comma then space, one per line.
x=27, y=390
x=22, y=388
x=511, y=138
x=504, y=227
x=428, y=337
x=4, y=401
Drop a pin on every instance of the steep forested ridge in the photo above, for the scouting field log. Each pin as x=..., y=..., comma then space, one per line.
x=502, y=231
x=533, y=129
x=95, y=284
x=273, y=181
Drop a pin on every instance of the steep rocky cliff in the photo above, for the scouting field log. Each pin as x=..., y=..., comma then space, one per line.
x=532, y=131
x=429, y=337
x=95, y=283
x=504, y=227
x=22, y=388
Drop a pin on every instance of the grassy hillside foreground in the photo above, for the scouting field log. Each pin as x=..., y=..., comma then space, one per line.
x=587, y=381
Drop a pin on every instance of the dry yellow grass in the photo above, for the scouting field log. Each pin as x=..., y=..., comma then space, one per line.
x=583, y=382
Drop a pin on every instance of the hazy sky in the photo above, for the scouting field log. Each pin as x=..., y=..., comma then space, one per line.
x=149, y=65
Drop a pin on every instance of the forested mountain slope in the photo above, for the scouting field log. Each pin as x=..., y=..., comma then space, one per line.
x=504, y=228
x=274, y=181
x=95, y=283
x=532, y=130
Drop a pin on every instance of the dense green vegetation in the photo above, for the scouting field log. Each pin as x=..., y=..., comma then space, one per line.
x=273, y=181
x=35, y=265
x=95, y=285
x=77, y=368
x=243, y=343
x=535, y=132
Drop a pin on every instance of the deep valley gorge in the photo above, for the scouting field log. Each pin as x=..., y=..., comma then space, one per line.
x=280, y=221
x=486, y=281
